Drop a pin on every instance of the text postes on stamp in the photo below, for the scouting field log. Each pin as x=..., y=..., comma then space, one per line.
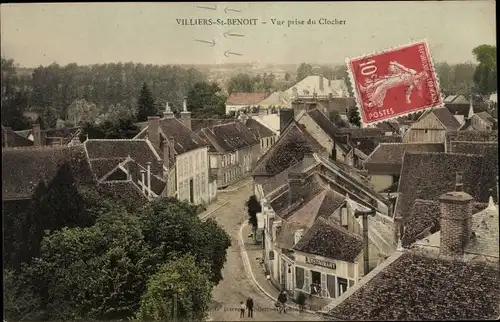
x=394, y=83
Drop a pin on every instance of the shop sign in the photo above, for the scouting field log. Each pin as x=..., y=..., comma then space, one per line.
x=319, y=262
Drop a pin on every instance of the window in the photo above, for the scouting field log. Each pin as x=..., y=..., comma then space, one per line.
x=425, y=131
x=225, y=178
x=299, y=277
x=262, y=143
x=342, y=285
x=330, y=285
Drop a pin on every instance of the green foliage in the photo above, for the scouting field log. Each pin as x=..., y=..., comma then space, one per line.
x=485, y=75
x=20, y=301
x=146, y=104
x=241, y=83
x=287, y=77
x=354, y=117
x=205, y=100
x=172, y=228
x=118, y=129
x=336, y=119
x=80, y=111
x=182, y=281
x=303, y=71
x=253, y=207
x=455, y=79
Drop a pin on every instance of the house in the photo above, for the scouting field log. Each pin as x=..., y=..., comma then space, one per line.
x=233, y=152
x=312, y=241
x=278, y=100
x=190, y=152
x=266, y=136
x=431, y=127
x=237, y=102
x=319, y=86
x=52, y=137
x=327, y=104
x=12, y=139
x=481, y=121
x=389, y=127
x=464, y=252
x=456, y=99
x=385, y=162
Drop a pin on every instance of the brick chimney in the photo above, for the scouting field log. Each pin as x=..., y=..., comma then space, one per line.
x=321, y=85
x=296, y=185
x=185, y=114
x=37, y=135
x=333, y=155
x=168, y=114
x=154, y=131
x=456, y=220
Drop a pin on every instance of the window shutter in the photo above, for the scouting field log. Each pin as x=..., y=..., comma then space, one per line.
x=324, y=290
x=307, y=281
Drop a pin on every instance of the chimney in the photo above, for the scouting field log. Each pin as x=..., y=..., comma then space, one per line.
x=185, y=114
x=296, y=182
x=149, y=177
x=166, y=154
x=154, y=131
x=143, y=181
x=168, y=114
x=172, y=148
x=330, y=96
x=456, y=220
x=321, y=85
x=398, y=228
x=37, y=135
x=333, y=155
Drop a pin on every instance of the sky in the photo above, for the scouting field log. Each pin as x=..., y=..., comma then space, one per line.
x=91, y=33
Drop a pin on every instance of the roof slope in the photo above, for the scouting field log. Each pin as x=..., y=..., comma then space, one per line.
x=428, y=175
x=246, y=98
x=185, y=139
x=330, y=241
x=446, y=118
x=292, y=146
x=323, y=122
x=231, y=137
x=13, y=139
x=198, y=124
x=388, y=157
x=259, y=128
x=423, y=219
x=415, y=287
x=24, y=169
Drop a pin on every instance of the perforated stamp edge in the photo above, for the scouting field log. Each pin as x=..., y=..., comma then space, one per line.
x=357, y=98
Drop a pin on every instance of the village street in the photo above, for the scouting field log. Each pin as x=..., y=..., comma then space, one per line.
x=237, y=286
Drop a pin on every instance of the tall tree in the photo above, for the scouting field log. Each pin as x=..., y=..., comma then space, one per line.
x=353, y=116
x=146, y=104
x=180, y=290
x=205, y=100
x=303, y=71
x=241, y=83
x=253, y=207
x=80, y=111
x=485, y=75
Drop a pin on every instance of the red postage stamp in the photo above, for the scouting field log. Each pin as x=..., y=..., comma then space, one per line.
x=394, y=83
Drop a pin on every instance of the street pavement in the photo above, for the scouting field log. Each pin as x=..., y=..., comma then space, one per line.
x=236, y=285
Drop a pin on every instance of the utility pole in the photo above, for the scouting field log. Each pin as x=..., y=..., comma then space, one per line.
x=365, y=214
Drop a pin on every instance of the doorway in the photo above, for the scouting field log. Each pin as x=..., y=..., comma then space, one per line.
x=342, y=284
x=191, y=191
x=315, y=283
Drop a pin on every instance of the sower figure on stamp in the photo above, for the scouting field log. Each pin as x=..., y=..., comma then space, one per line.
x=242, y=309
x=398, y=75
x=250, y=307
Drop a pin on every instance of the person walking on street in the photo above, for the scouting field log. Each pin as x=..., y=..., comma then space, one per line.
x=250, y=307
x=282, y=298
x=242, y=309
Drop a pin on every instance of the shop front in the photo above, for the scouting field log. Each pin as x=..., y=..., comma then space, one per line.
x=322, y=277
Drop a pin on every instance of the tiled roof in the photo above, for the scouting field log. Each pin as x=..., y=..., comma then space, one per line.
x=486, y=117
x=489, y=152
x=185, y=139
x=323, y=204
x=198, y=124
x=292, y=146
x=428, y=175
x=368, y=144
x=103, y=166
x=65, y=133
x=139, y=150
x=388, y=126
x=355, y=132
x=24, y=169
x=417, y=287
x=423, y=220
x=246, y=98
x=323, y=122
x=388, y=157
x=446, y=118
x=458, y=109
x=14, y=139
x=330, y=241
x=475, y=136
x=262, y=130
x=231, y=137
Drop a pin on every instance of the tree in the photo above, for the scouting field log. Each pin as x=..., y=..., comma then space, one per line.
x=303, y=71
x=173, y=228
x=253, y=207
x=118, y=112
x=485, y=75
x=336, y=119
x=146, y=104
x=12, y=112
x=353, y=116
x=179, y=290
x=116, y=129
x=241, y=83
x=80, y=111
x=205, y=100
x=287, y=77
